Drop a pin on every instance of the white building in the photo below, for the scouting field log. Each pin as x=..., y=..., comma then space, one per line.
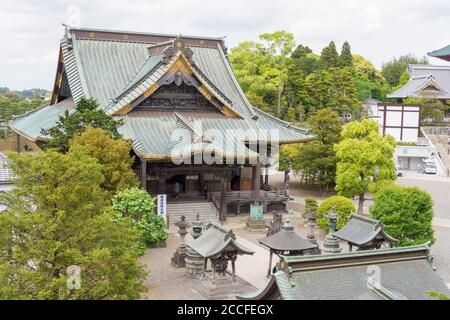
x=402, y=121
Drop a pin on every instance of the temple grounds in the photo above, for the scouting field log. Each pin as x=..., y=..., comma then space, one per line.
x=167, y=282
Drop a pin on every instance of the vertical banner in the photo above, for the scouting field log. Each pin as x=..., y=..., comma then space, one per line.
x=161, y=206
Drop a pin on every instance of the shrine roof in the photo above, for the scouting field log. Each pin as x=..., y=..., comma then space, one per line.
x=380, y=274
x=425, y=81
x=443, y=53
x=360, y=230
x=287, y=240
x=215, y=239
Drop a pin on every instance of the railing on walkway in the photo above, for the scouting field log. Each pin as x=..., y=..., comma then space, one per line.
x=239, y=198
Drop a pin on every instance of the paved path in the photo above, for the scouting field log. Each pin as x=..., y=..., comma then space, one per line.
x=253, y=269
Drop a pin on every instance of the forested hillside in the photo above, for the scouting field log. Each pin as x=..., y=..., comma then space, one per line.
x=290, y=81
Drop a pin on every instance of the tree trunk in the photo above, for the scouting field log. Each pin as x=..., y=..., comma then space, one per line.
x=280, y=91
x=361, y=204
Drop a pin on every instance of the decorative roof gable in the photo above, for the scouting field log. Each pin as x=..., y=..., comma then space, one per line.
x=174, y=65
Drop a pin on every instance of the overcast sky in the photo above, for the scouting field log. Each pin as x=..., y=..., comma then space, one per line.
x=30, y=30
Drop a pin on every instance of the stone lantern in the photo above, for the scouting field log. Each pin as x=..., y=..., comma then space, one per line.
x=331, y=244
x=194, y=261
x=178, y=259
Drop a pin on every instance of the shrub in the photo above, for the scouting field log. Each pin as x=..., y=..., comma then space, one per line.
x=133, y=202
x=343, y=207
x=406, y=213
x=154, y=230
x=139, y=206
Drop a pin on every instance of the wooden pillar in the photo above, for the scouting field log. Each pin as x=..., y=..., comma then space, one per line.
x=144, y=173
x=270, y=263
x=266, y=176
x=18, y=143
x=213, y=263
x=223, y=198
x=162, y=181
x=233, y=269
x=257, y=181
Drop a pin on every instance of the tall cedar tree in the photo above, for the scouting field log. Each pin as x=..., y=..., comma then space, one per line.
x=113, y=155
x=87, y=113
x=56, y=217
x=346, y=59
x=330, y=57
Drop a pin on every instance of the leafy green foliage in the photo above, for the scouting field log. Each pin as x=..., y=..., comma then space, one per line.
x=393, y=69
x=342, y=206
x=406, y=212
x=139, y=205
x=87, y=114
x=316, y=161
x=276, y=78
x=365, y=160
x=13, y=106
x=112, y=154
x=438, y=295
x=311, y=206
x=59, y=216
x=134, y=203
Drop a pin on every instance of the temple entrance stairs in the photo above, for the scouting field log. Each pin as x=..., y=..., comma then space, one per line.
x=204, y=208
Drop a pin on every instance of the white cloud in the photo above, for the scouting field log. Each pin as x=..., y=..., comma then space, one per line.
x=376, y=29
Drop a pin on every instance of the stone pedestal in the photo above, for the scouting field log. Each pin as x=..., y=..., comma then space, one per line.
x=179, y=258
x=195, y=264
x=255, y=223
x=225, y=286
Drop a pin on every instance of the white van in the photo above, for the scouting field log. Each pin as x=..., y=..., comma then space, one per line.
x=429, y=167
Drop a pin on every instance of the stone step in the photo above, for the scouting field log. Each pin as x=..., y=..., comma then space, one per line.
x=205, y=209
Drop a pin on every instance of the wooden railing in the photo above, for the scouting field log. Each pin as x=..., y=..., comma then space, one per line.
x=240, y=198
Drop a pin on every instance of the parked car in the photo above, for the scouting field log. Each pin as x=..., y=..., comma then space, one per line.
x=399, y=170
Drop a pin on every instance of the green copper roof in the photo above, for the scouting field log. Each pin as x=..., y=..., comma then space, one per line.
x=443, y=53
x=397, y=273
x=30, y=125
x=116, y=68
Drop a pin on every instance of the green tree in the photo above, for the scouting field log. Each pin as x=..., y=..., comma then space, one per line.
x=329, y=57
x=406, y=212
x=134, y=203
x=365, y=160
x=316, y=160
x=279, y=45
x=311, y=207
x=139, y=205
x=346, y=59
x=393, y=69
x=87, y=113
x=113, y=154
x=291, y=117
x=57, y=216
x=342, y=206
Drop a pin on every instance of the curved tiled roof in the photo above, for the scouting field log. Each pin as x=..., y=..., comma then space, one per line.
x=423, y=76
x=116, y=67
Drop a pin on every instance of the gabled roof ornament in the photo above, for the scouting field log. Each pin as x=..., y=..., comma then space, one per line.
x=177, y=45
